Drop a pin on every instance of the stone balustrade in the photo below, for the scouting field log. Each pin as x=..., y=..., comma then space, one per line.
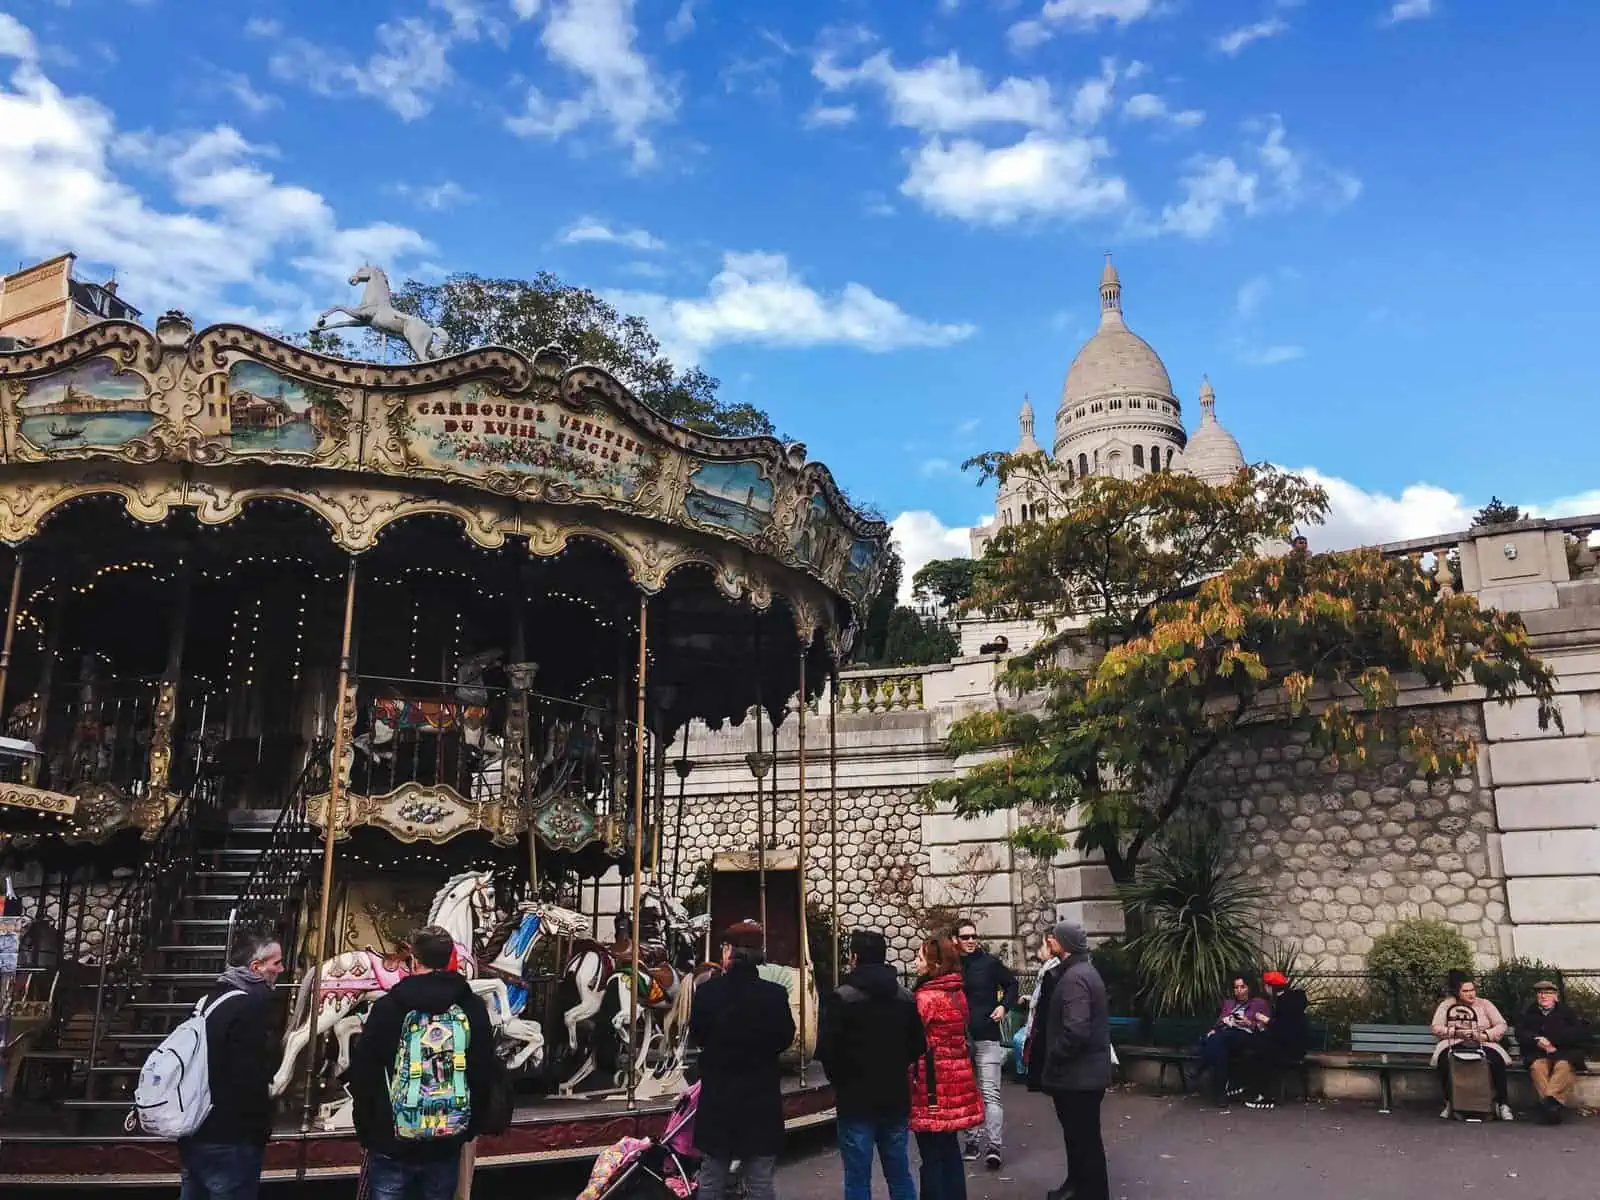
x=894, y=689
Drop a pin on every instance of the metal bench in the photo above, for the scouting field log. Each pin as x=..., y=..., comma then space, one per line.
x=1400, y=1048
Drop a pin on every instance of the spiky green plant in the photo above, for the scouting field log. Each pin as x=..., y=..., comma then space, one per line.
x=1199, y=925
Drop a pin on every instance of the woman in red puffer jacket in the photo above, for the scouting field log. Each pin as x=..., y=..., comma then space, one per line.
x=944, y=1090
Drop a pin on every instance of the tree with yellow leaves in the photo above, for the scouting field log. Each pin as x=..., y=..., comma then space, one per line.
x=1177, y=615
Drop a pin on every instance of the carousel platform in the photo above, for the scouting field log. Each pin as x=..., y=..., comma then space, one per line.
x=551, y=1131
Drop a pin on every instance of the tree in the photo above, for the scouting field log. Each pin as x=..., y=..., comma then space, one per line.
x=1173, y=623
x=874, y=639
x=949, y=581
x=915, y=640
x=1496, y=513
x=531, y=314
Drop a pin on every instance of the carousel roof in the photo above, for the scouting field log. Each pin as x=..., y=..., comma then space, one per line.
x=210, y=422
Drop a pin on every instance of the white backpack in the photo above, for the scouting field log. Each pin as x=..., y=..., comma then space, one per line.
x=173, y=1097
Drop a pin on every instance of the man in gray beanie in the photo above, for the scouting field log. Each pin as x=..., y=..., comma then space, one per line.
x=1077, y=1063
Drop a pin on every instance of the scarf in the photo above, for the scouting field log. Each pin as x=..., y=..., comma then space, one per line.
x=246, y=980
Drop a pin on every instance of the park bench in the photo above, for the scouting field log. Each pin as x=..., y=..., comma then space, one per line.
x=1391, y=1048
x=1171, y=1042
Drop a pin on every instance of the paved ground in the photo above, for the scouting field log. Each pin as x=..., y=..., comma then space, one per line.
x=1165, y=1148
x=1169, y=1148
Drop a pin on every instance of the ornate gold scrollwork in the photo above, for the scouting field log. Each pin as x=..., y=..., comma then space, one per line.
x=17, y=795
x=161, y=735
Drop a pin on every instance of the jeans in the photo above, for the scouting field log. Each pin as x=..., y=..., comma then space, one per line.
x=1079, y=1116
x=390, y=1179
x=757, y=1174
x=944, y=1175
x=1217, y=1052
x=858, y=1139
x=219, y=1171
x=988, y=1064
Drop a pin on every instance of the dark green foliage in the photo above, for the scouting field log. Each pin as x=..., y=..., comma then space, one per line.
x=1496, y=513
x=1409, y=962
x=1198, y=923
x=896, y=636
x=1120, y=970
x=949, y=581
x=531, y=314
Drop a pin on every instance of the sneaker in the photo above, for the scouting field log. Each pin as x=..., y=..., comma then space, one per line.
x=1261, y=1102
x=992, y=1159
x=970, y=1152
x=1446, y=1113
x=1503, y=1111
x=1234, y=1093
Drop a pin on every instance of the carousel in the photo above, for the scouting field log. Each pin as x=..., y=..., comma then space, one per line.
x=336, y=649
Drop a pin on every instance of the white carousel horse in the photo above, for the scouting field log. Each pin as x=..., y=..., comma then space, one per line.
x=352, y=980
x=520, y=1040
x=626, y=984
x=375, y=310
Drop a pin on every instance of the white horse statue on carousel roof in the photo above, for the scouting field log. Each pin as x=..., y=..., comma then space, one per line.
x=375, y=310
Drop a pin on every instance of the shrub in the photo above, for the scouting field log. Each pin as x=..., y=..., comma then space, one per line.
x=1411, y=959
x=1343, y=1007
x=1199, y=925
x=1120, y=970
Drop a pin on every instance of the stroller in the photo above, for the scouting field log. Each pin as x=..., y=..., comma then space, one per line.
x=657, y=1169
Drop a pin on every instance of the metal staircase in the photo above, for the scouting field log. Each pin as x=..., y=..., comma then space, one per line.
x=201, y=883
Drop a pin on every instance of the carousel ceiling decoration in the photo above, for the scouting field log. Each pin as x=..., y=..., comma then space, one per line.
x=508, y=446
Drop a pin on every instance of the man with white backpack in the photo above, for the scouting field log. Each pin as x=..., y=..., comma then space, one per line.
x=222, y=1158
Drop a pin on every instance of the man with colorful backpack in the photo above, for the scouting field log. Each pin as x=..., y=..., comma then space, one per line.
x=221, y=1158
x=421, y=1076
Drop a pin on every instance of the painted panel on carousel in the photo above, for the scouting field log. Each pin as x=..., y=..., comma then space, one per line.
x=861, y=568
x=730, y=495
x=474, y=430
x=91, y=404
x=254, y=409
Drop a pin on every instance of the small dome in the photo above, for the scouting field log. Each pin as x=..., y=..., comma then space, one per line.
x=1212, y=455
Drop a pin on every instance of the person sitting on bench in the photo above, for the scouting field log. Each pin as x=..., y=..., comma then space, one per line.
x=1465, y=1018
x=1551, y=1036
x=1242, y=1019
x=1282, y=1043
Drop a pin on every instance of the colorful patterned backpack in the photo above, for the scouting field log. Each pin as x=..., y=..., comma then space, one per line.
x=428, y=1090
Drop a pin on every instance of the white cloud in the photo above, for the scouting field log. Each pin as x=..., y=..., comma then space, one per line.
x=921, y=537
x=1274, y=177
x=591, y=229
x=1270, y=356
x=1146, y=106
x=1236, y=40
x=1409, y=10
x=1093, y=97
x=757, y=299
x=1080, y=14
x=435, y=197
x=241, y=89
x=1361, y=518
x=830, y=116
x=682, y=23
x=407, y=70
x=596, y=41
x=218, y=253
x=1252, y=292
x=1040, y=176
x=16, y=41
x=942, y=95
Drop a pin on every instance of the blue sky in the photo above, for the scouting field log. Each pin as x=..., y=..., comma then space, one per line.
x=1370, y=221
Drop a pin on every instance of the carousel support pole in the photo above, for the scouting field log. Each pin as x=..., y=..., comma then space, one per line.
x=516, y=737
x=658, y=803
x=761, y=826
x=636, y=1068
x=166, y=714
x=11, y=628
x=342, y=722
x=800, y=829
x=682, y=765
x=833, y=816
x=47, y=679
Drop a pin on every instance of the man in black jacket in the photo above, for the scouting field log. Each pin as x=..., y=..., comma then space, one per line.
x=1552, y=1039
x=742, y=1025
x=222, y=1160
x=424, y=1168
x=869, y=1035
x=991, y=989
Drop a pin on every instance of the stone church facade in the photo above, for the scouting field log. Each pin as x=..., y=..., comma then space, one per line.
x=1508, y=853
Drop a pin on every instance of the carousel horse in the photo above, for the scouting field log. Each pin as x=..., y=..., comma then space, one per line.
x=652, y=988
x=530, y=924
x=375, y=310
x=352, y=980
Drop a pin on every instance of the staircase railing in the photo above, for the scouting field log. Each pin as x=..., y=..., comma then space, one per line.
x=270, y=899
x=141, y=911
